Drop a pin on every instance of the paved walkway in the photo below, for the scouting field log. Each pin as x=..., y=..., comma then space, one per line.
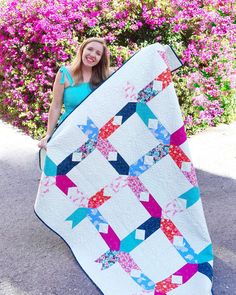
x=35, y=261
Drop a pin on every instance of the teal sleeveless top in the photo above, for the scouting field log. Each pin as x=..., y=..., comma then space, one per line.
x=73, y=94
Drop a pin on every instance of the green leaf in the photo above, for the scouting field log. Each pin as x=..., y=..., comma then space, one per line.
x=218, y=80
x=196, y=85
x=209, y=97
x=226, y=86
x=205, y=74
x=221, y=13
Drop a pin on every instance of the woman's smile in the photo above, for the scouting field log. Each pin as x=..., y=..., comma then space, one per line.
x=90, y=59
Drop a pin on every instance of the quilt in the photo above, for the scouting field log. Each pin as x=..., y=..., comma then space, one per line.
x=119, y=187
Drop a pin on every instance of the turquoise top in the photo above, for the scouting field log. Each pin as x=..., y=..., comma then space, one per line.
x=73, y=94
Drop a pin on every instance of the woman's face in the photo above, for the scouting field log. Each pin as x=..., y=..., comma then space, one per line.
x=92, y=53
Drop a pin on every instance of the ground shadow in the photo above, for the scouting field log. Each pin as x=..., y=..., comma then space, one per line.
x=218, y=198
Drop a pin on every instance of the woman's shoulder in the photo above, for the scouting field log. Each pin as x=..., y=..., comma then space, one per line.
x=66, y=69
x=65, y=72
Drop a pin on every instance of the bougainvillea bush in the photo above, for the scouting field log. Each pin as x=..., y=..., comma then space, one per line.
x=38, y=36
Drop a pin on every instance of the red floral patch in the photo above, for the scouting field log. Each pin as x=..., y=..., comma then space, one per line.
x=98, y=199
x=169, y=229
x=107, y=129
x=165, y=286
x=165, y=77
x=178, y=155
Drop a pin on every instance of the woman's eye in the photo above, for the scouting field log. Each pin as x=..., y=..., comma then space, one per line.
x=91, y=49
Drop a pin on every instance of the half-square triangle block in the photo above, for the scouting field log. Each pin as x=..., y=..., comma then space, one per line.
x=153, y=123
x=177, y=279
x=112, y=156
x=148, y=160
x=135, y=273
x=103, y=228
x=140, y=234
x=117, y=120
x=76, y=157
x=144, y=196
x=157, y=85
x=186, y=166
x=178, y=241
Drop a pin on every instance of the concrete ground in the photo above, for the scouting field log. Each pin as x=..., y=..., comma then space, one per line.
x=35, y=261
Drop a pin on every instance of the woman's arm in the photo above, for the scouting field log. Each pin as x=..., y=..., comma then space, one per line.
x=55, y=107
x=54, y=110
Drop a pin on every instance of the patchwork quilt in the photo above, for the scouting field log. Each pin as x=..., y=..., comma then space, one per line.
x=119, y=187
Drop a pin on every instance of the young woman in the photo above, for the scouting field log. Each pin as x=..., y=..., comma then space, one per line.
x=74, y=82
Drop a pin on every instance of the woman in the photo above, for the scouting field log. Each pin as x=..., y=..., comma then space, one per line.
x=73, y=83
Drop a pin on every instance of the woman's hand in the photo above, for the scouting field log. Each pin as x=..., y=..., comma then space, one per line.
x=43, y=142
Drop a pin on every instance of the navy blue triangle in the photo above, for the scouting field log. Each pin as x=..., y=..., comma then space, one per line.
x=120, y=165
x=127, y=111
x=150, y=226
x=66, y=165
x=206, y=269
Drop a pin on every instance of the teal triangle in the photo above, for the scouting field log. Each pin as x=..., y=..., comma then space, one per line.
x=129, y=243
x=205, y=255
x=144, y=113
x=50, y=168
x=191, y=196
x=77, y=216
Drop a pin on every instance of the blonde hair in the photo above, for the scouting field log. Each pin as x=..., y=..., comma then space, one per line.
x=100, y=72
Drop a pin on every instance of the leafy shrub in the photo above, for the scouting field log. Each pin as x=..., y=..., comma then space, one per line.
x=38, y=36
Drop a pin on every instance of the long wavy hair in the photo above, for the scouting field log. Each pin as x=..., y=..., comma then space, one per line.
x=100, y=72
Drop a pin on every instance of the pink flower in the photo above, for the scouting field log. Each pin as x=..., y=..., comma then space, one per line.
x=44, y=117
